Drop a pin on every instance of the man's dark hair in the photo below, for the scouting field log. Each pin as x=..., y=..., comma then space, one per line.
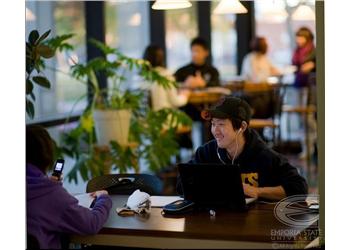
x=40, y=147
x=201, y=42
x=237, y=124
x=153, y=55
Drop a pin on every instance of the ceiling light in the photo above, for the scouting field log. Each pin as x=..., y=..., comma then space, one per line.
x=230, y=7
x=171, y=4
x=303, y=13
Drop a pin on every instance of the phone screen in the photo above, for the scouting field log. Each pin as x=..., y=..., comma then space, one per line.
x=58, y=166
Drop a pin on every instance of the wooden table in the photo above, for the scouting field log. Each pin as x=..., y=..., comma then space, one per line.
x=208, y=96
x=262, y=123
x=255, y=228
x=204, y=98
x=248, y=87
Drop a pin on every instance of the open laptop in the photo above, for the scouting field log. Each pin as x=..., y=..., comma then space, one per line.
x=213, y=186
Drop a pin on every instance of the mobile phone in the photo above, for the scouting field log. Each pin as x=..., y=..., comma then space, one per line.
x=58, y=168
x=178, y=207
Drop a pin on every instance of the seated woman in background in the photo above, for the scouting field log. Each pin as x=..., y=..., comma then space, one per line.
x=51, y=210
x=163, y=97
x=256, y=66
x=167, y=97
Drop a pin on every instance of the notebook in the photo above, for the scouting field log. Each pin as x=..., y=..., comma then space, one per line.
x=84, y=200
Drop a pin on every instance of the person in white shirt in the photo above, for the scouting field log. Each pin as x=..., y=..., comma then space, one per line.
x=167, y=97
x=256, y=66
x=164, y=97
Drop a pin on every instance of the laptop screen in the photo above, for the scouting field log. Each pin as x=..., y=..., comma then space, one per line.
x=212, y=185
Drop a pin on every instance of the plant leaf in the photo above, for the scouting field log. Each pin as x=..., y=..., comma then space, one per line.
x=103, y=47
x=43, y=36
x=45, y=51
x=33, y=36
x=59, y=42
x=42, y=81
x=32, y=96
x=79, y=167
x=30, y=109
x=29, y=86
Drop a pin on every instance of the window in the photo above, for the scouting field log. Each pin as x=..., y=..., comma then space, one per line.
x=224, y=44
x=69, y=17
x=61, y=18
x=274, y=21
x=181, y=28
x=127, y=28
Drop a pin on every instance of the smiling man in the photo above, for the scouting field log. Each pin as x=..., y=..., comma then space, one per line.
x=265, y=173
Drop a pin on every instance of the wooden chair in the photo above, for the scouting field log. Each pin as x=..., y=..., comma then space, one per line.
x=266, y=101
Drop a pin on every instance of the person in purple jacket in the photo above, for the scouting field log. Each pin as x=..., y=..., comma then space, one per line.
x=51, y=210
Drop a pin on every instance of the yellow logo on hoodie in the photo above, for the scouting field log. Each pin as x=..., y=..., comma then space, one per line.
x=250, y=178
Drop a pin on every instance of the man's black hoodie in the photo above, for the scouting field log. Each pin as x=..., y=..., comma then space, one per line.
x=260, y=166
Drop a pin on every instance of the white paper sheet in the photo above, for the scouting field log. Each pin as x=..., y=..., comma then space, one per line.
x=250, y=200
x=161, y=201
x=84, y=200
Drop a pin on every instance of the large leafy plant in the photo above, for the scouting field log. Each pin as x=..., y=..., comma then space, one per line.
x=152, y=133
x=38, y=49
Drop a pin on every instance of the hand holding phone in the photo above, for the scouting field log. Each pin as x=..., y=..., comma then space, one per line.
x=58, y=168
x=97, y=194
x=56, y=179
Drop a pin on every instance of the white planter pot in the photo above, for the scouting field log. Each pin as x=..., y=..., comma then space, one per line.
x=112, y=125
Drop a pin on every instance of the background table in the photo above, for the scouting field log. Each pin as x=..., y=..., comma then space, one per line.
x=250, y=229
x=207, y=96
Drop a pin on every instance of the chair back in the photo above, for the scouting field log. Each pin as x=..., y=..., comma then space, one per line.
x=265, y=99
x=126, y=184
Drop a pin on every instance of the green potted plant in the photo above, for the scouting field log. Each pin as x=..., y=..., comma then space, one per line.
x=120, y=120
x=38, y=49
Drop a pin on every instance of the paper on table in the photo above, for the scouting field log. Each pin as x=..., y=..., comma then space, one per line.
x=250, y=200
x=161, y=201
x=84, y=200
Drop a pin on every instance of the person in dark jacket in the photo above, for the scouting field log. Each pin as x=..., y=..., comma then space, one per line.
x=199, y=73
x=51, y=210
x=265, y=173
